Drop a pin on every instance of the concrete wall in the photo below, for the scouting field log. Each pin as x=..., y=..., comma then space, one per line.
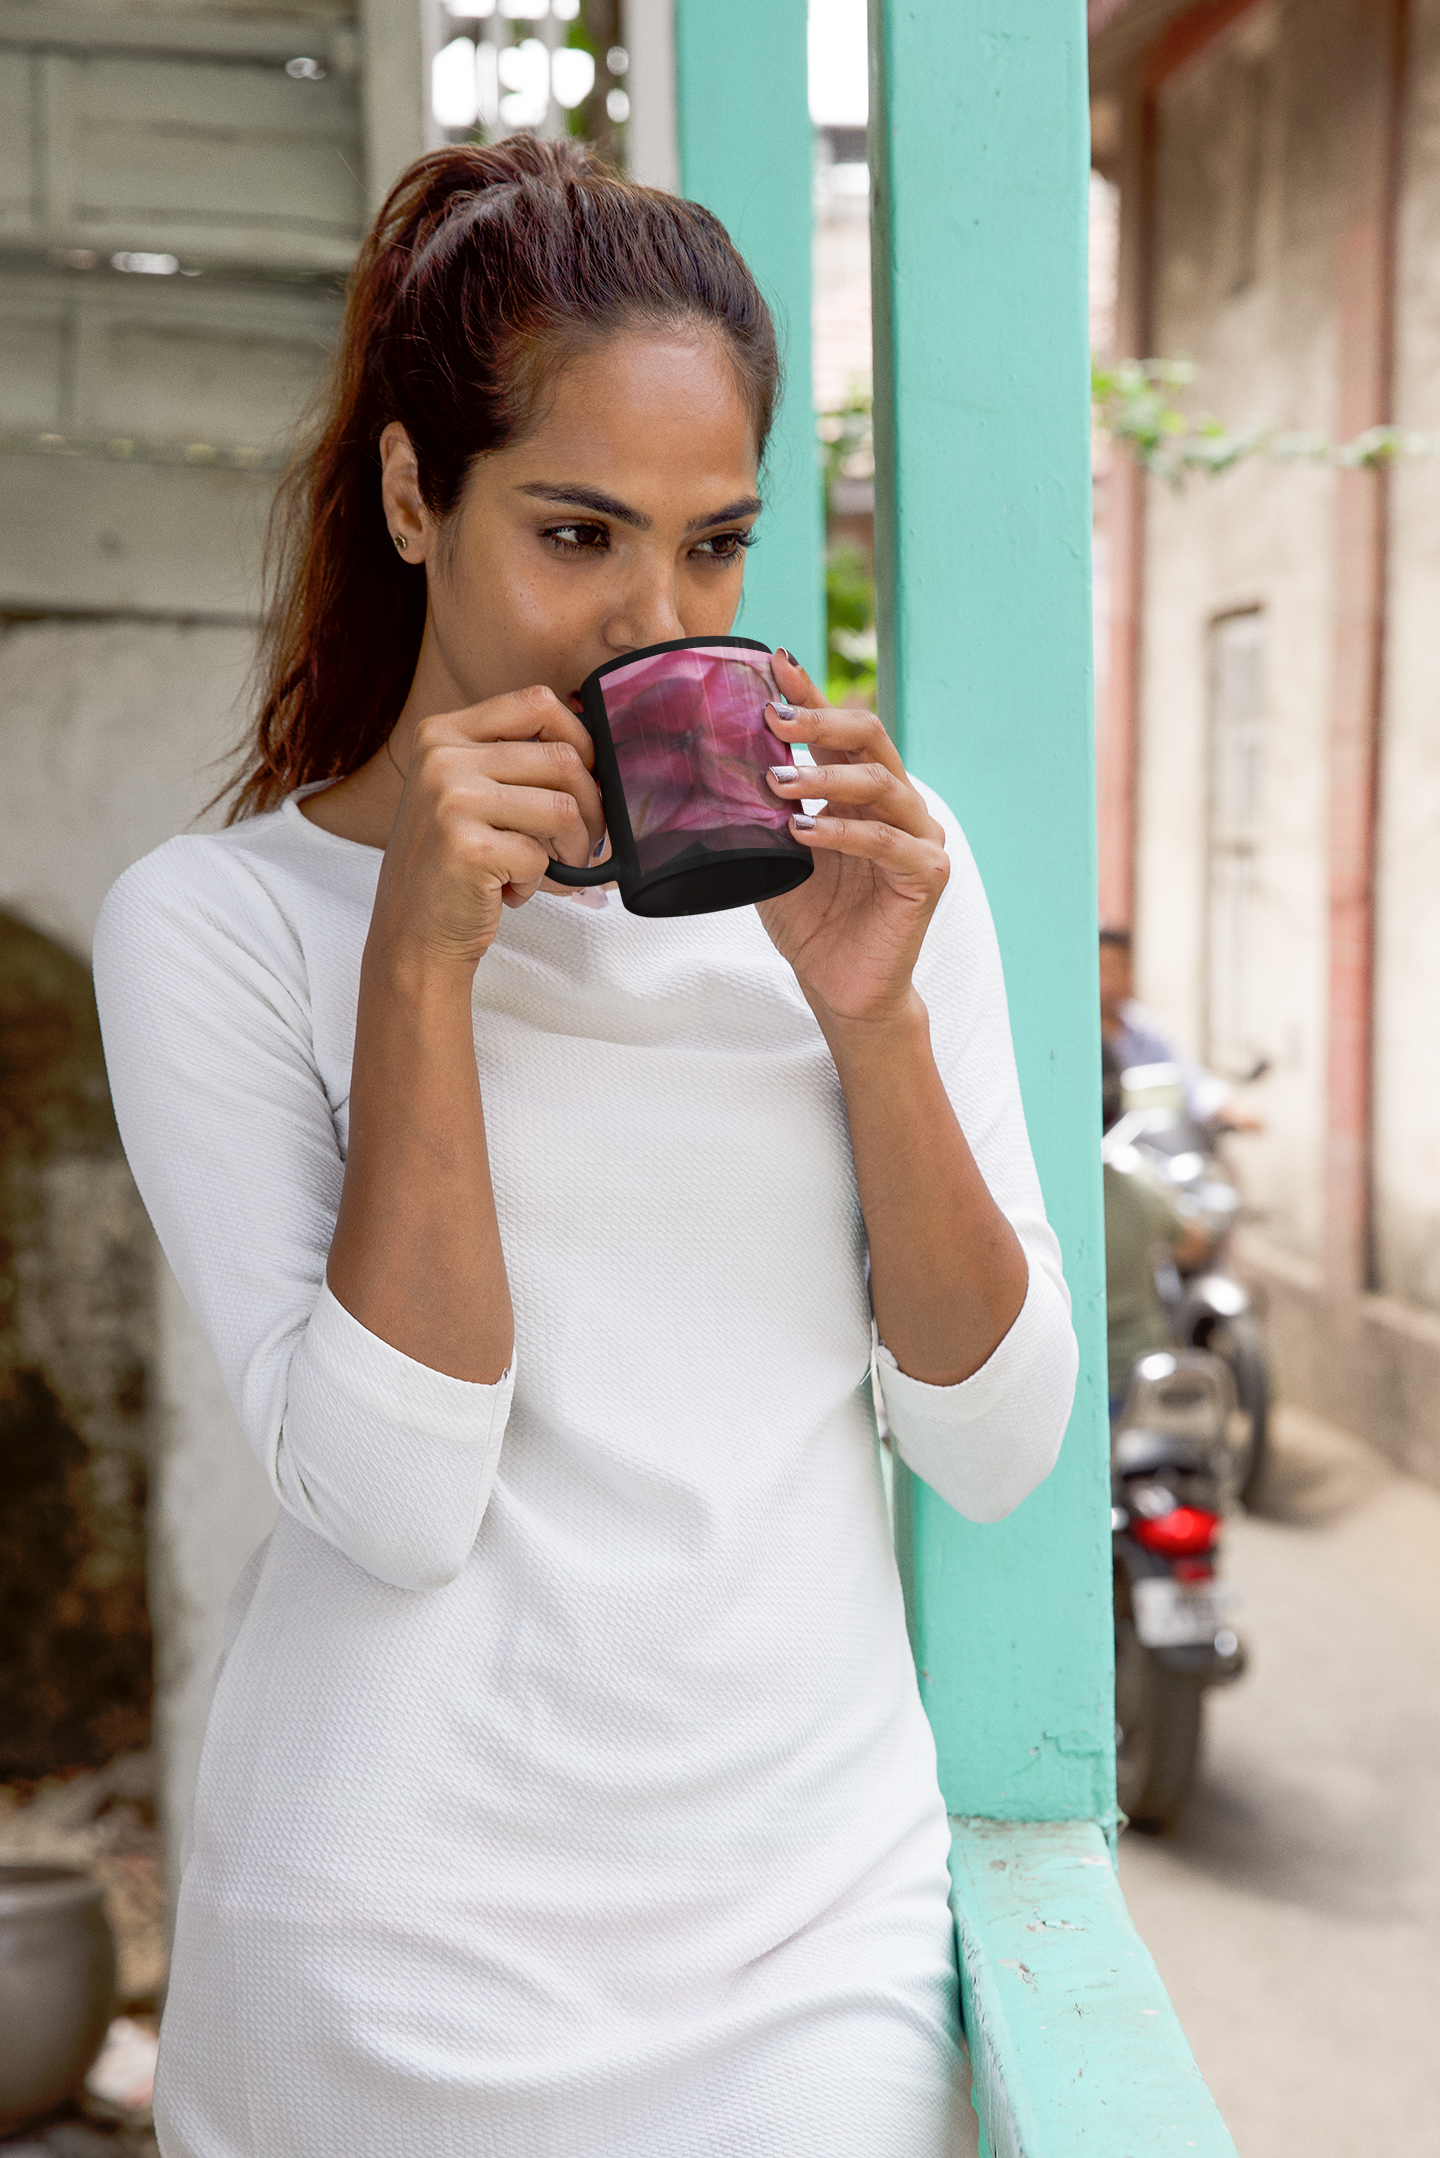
x=1247, y=213
x=142, y=420
x=76, y=1341
x=113, y=733
x=1243, y=285
x=1407, y=1036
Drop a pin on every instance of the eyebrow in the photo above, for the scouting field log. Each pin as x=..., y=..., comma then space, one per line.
x=592, y=498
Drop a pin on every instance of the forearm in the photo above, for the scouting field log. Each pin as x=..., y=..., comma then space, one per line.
x=416, y=1256
x=947, y=1272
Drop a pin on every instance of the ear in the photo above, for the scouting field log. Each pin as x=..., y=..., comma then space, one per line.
x=405, y=512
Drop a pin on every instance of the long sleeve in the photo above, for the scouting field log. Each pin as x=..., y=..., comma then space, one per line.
x=985, y=1444
x=204, y=996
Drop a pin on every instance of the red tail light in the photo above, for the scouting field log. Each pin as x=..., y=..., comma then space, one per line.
x=1179, y=1534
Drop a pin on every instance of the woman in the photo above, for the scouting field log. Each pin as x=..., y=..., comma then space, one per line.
x=566, y=1787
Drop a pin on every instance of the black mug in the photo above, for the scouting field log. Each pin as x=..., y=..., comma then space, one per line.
x=682, y=750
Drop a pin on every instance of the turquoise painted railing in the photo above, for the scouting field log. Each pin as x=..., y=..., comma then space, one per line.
x=979, y=160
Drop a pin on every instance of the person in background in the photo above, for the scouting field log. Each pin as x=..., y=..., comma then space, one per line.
x=1135, y=1036
x=1140, y=1216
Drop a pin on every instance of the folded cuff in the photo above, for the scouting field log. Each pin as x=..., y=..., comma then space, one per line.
x=1010, y=1363
x=397, y=1390
x=390, y=1461
x=986, y=1443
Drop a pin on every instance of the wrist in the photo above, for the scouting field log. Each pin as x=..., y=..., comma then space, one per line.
x=878, y=1037
x=403, y=972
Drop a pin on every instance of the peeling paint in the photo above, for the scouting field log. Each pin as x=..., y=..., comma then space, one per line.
x=1036, y=2095
x=74, y=1339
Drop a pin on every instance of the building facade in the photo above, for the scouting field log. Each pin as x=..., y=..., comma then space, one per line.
x=1270, y=734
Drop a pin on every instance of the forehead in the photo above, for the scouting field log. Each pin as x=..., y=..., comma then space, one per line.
x=660, y=409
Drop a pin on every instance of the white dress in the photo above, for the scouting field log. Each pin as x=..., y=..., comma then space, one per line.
x=566, y=1788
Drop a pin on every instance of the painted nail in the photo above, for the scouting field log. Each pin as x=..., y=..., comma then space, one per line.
x=785, y=773
x=781, y=709
x=789, y=655
x=803, y=824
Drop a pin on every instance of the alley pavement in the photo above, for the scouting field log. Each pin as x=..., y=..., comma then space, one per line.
x=1295, y=1914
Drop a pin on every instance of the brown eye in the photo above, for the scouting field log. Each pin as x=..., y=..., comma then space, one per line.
x=577, y=538
x=726, y=546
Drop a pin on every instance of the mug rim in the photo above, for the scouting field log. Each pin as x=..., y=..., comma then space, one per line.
x=674, y=644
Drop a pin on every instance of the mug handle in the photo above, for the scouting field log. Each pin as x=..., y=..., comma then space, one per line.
x=605, y=872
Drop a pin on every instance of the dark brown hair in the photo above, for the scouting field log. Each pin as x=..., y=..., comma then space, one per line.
x=484, y=272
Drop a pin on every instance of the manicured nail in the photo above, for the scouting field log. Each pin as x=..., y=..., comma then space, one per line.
x=803, y=824
x=788, y=655
x=785, y=773
x=781, y=709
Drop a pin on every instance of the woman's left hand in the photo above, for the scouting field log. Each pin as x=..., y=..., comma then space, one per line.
x=853, y=930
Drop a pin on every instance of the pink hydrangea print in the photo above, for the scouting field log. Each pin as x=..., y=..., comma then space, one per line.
x=691, y=741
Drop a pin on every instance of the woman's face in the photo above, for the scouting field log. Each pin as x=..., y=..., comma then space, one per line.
x=619, y=520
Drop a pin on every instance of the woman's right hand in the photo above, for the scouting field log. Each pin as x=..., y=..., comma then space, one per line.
x=491, y=795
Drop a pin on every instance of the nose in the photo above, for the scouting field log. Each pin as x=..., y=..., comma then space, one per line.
x=646, y=612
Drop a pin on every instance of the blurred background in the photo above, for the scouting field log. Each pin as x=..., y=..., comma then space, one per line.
x=182, y=188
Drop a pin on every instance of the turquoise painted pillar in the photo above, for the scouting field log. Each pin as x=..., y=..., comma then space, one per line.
x=980, y=159
x=745, y=151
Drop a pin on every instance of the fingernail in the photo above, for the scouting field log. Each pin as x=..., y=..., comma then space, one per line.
x=785, y=773
x=790, y=656
x=781, y=709
x=803, y=824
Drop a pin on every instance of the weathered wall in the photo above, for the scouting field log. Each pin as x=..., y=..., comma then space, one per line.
x=112, y=737
x=75, y=1340
x=1244, y=283
x=113, y=734
x=1407, y=1009
x=1248, y=209
x=142, y=419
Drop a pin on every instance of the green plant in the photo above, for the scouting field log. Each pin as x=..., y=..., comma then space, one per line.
x=1133, y=403
x=848, y=453
x=847, y=441
x=850, y=625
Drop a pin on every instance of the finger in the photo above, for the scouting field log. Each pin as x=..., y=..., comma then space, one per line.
x=548, y=766
x=521, y=715
x=900, y=853
x=549, y=815
x=838, y=730
x=513, y=860
x=858, y=786
x=793, y=682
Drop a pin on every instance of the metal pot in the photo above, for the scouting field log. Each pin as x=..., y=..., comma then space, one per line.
x=57, y=1987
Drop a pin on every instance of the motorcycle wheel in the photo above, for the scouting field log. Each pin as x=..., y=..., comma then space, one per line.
x=1242, y=1345
x=1157, y=1729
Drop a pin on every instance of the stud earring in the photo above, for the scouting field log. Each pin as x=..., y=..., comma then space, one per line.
x=400, y=540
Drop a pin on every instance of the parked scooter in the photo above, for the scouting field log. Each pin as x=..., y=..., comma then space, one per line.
x=1210, y=1308
x=1173, y=1475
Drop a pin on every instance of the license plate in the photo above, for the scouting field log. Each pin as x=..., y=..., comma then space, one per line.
x=1179, y=1614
